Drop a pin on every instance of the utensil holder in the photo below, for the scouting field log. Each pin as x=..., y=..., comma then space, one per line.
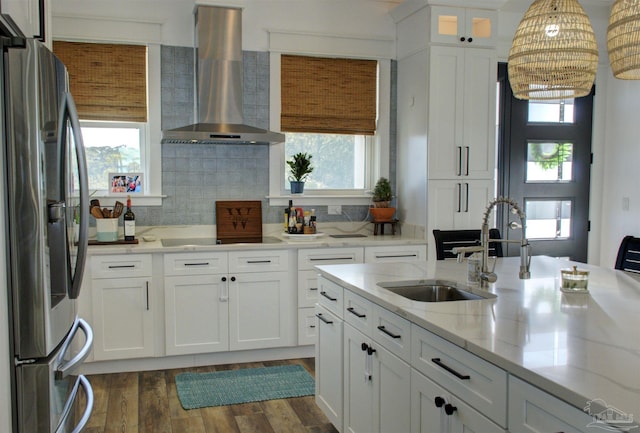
x=107, y=229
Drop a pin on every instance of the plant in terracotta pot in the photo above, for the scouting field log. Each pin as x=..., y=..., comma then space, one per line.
x=300, y=167
x=382, y=195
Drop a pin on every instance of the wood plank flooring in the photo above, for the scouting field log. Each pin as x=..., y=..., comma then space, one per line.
x=147, y=402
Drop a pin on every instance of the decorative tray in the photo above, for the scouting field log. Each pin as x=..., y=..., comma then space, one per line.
x=300, y=236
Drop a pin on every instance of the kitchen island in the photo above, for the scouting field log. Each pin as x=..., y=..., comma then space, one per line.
x=581, y=348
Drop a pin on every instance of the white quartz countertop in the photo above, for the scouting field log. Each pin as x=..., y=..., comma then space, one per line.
x=582, y=348
x=150, y=239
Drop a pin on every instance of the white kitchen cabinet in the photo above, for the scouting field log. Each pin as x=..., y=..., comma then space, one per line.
x=435, y=409
x=123, y=306
x=463, y=26
x=218, y=301
x=460, y=204
x=308, y=283
x=328, y=369
x=396, y=253
x=462, y=112
x=532, y=410
x=27, y=14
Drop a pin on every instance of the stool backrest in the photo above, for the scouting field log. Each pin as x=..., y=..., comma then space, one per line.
x=446, y=240
x=629, y=254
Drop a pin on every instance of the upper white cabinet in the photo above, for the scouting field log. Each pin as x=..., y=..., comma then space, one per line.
x=462, y=112
x=27, y=14
x=463, y=26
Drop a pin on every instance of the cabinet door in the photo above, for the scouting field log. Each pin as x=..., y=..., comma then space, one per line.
x=329, y=383
x=404, y=253
x=358, y=382
x=307, y=326
x=460, y=204
x=261, y=310
x=27, y=14
x=392, y=394
x=196, y=314
x=427, y=417
x=463, y=26
x=122, y=318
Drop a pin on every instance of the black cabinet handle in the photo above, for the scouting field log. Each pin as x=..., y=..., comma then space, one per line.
x=258, y=261
x=233, y=278
x=439, y=401
x=466, y=148
x=313, y=289
x=355, y=313
x=470, y=40
x=459, y=187
x=224, y=279
x=364, y=347
x=321, y=317
x=197, y=264
x=328, y=297
x=439, y=363
x=330, y=258
x=121, y=266
x=459, y=173
x=449, y=409
x=147, y=296
x=462, y=39
x=371, y=351
x=389, y=333
x=396, y=256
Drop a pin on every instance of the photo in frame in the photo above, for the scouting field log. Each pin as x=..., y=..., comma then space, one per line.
x=125, y=183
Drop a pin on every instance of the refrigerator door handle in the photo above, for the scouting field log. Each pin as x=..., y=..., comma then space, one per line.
x=67, y=412
x=70, y=108
x=68, y=367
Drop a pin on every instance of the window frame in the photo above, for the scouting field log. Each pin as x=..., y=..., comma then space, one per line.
x=377, y=163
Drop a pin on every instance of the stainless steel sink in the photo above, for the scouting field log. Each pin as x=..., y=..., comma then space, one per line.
x=192, y=242
x=435, y=291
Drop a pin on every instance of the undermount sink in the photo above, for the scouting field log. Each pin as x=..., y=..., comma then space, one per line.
x=189, y=242
x=435, y=291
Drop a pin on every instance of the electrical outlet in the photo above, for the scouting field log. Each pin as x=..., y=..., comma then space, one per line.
x=335, y=209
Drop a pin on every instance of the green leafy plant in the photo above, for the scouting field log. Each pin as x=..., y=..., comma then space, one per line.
x=550, y=155
x=300, y=166
x=382, y=194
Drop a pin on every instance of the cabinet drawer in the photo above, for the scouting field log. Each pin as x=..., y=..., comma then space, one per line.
x=358, y=312
x=308, y=258
x=331, y=296
x=307, y=326
x=195, y=263
x=393, y=332
x=532, y=410
x=478, y=382
x=121, y=266
x=258, y=261
x=398, y=253
x=307, y=288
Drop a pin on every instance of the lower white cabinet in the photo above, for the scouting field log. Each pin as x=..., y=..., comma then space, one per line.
x=532, y=410
x=434, y=409
x=329, y=365
x=123, y=306
x=377, y=386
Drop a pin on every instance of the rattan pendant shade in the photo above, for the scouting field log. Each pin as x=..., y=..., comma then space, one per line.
x=554, y=54
x=623, y=39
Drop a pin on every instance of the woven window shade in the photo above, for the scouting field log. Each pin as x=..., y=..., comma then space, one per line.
x=108, y=81
x=326, y=95
x=554, y=54
x=623, y=39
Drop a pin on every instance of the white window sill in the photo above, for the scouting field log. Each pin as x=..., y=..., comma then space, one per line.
x=142, y=200
x=319, y=200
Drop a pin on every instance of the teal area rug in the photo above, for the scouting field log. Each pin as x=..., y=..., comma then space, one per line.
x=222, y=388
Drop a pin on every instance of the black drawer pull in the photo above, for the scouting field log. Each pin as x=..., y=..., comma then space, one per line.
x=121, y=266
x=197, y=264
x=313, y=289
x=321, y=317
x=396, y=256
x=439, y=363
x=328, y=297
x=389, y=333
x=258, y=261
x=321, y=259
x=449, y=409
x=355, y=313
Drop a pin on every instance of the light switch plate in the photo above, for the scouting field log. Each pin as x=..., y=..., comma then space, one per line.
x=335, y=209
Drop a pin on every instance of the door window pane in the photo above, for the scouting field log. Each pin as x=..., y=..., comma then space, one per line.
x=548, y=219
x=338, y=160
x=551, y=111
x=549, y=162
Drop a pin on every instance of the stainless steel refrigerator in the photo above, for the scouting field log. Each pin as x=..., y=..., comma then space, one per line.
x=46, y=207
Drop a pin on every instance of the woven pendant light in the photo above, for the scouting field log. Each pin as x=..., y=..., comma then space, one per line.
x=554, y=54
x=623, y=39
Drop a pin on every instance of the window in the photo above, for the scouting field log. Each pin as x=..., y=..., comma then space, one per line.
x=112, y=147
x=551, y=111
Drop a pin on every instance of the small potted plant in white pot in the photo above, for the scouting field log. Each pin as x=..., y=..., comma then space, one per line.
x=382, y=195
x=300, y=167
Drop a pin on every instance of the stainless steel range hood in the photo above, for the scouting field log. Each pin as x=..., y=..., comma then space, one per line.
x=219, y=84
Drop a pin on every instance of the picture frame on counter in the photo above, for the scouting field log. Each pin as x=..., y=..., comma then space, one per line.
x=121, y=184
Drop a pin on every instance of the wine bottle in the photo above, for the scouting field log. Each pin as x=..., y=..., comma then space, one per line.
x=129, y=222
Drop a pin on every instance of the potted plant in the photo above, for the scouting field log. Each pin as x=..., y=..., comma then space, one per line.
x=300, y=167
x=382, y=195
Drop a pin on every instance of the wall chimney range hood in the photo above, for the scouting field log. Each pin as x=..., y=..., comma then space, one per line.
x=219, y=84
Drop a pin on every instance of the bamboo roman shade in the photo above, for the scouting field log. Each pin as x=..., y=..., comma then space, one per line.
x=108, y=81
x=328, y=95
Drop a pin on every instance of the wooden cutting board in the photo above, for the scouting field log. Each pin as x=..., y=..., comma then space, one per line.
x=239, y=221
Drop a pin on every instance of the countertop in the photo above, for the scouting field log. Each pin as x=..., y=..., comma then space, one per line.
x=149, y=239
x=581, y=347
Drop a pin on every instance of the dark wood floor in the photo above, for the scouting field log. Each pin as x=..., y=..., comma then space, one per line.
x=146, y=402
